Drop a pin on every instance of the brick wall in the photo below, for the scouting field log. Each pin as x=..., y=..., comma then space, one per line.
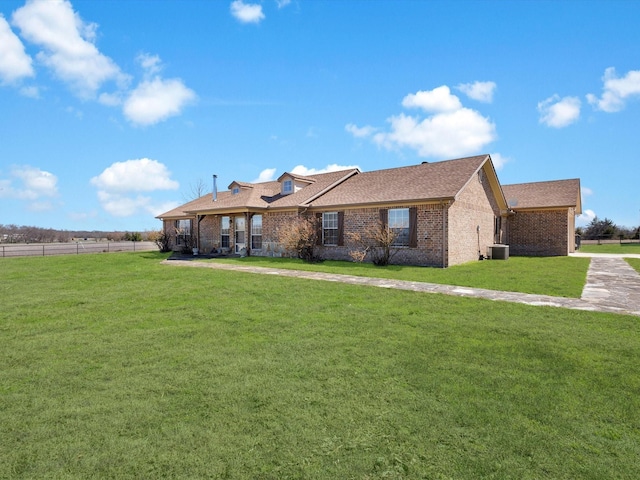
x=471, y=222
x=429, y=232
x=541, y=233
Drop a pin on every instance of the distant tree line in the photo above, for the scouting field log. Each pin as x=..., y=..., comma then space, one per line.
x=605, y=229
x=26, y=234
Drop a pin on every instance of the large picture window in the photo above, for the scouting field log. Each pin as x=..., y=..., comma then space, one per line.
x=256, y=232
x=183, y=232
x=224, y=232
x=330, y=228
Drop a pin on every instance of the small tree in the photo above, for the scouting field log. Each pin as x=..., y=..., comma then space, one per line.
x=162, y=239
x=377, y=241
x=299, y=237
x=598, y=229
x=133, y=237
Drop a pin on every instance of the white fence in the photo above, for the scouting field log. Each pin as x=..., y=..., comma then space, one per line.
x=72, y=248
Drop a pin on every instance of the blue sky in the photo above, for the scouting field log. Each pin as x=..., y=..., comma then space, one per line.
x=112, y=112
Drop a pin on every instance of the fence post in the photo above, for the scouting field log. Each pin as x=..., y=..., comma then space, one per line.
x=134, y=245
x=43, y=250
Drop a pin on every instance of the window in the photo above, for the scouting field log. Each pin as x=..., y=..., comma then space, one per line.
x=183, y=232
x=399, y=224
x=235, y=191
x=330, y=228
x=256, y=232
x=224, y=232
x=287, y=186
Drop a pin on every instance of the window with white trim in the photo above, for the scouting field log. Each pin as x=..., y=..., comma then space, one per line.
x=287, y=186
x=330, y=228
x=224, y=232
x=399, y=224
x=256, y=232
x=183, y=232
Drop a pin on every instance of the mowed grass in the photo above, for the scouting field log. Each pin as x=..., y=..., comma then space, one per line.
x=115, y=366
x=635, y=263
x=556, y=276
x=624, y=248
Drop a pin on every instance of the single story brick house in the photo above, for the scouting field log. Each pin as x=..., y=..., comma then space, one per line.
x=446, y=213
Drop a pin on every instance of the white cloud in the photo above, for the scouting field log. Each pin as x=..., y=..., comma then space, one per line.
x=156, y=100
x=450, y=131
x=266, y=175
x=117, y=183
x=334, y=167
x=247, y=12
x=282, y=3
x=437, y=100
x=67, y=44
x=499, y=160
x=586, y=191
x=616, y=90
x=359, y=132
x=122, y=205
x=141, y=175
x=585, y=218
x=558, y=113
x=15, y=64
x=150, y=63
x=30, y=184
x=480, y=91
x=451, y=134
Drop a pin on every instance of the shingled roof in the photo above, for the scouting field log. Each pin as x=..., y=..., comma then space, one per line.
x=260, y=196
x=553, y=194
x=418, y=183
x=424, y=182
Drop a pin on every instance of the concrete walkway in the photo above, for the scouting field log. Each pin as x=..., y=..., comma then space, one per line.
x=612, y=285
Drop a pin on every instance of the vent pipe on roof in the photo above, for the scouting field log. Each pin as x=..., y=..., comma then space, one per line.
x=215, y=188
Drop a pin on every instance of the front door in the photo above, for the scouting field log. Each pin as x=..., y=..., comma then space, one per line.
x=240, y=242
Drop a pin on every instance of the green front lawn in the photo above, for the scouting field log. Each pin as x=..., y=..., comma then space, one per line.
x=623, y=249
x=556, y=276
x=115, y=366
x=635, y=263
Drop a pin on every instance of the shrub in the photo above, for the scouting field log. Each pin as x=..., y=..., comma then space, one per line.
x=299, y=238
x=162, y=240
x=376, y=242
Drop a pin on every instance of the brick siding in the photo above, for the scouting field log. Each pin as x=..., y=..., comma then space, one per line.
x=471, y=222
x=542, y=233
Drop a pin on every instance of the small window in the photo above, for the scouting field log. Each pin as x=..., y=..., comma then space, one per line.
x=224, y=232
x=399, y=224
x=330, y=228
x=235, y=191
x=287, y=186
x=256, y=232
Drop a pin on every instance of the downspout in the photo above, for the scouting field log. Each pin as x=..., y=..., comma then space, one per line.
x=444, y=238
